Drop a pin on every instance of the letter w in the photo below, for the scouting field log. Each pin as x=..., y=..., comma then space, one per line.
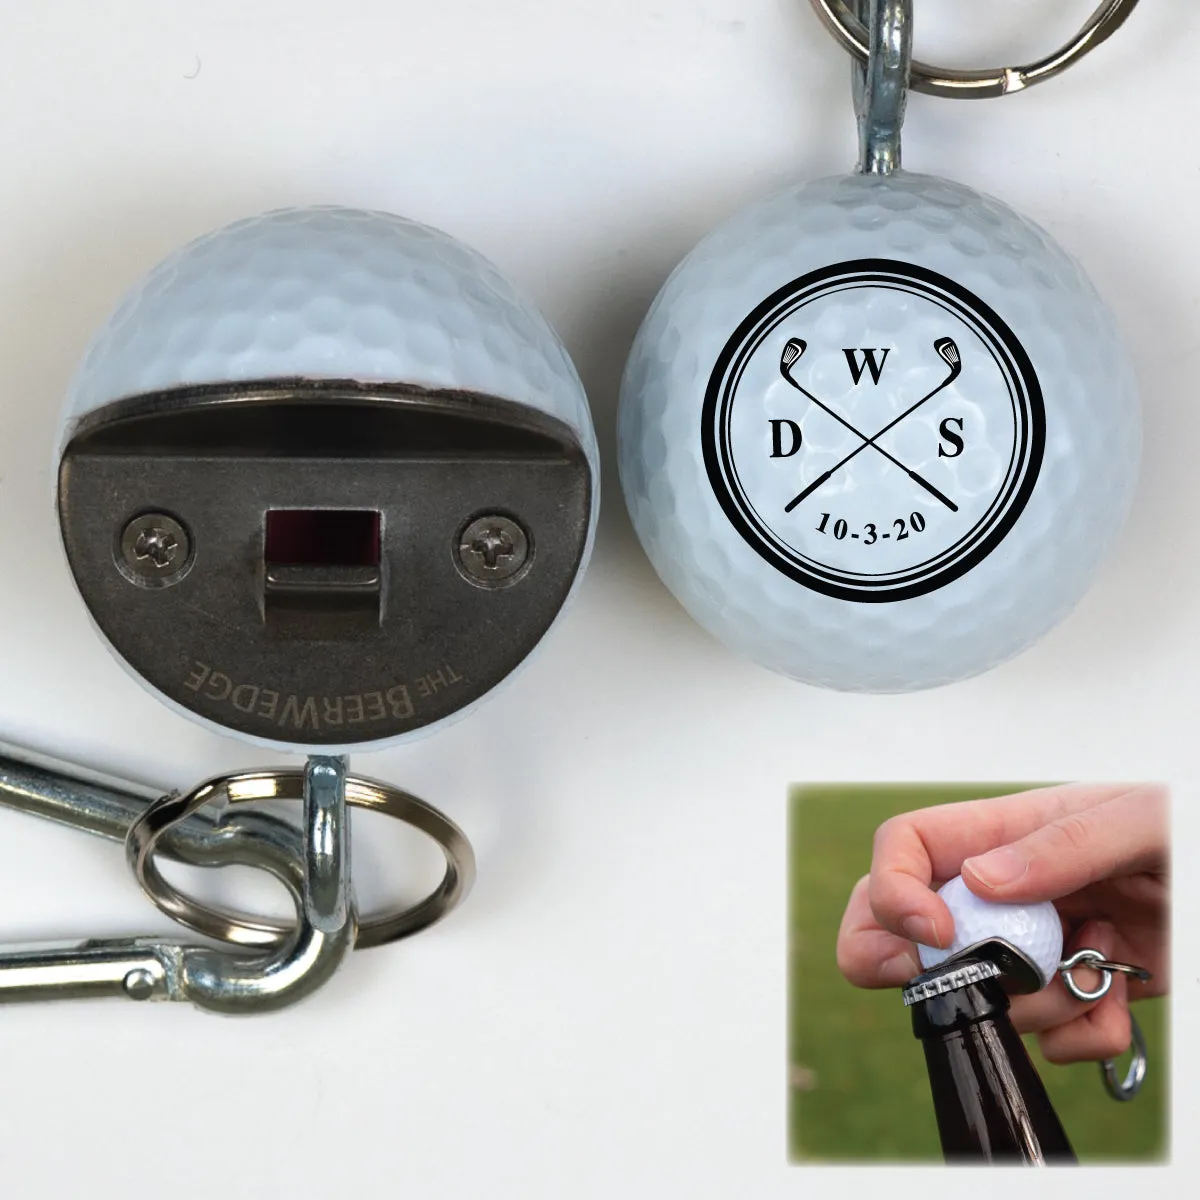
x=868, y=361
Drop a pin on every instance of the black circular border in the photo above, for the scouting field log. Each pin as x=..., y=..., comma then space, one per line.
x=713, y=448
x=886, y=582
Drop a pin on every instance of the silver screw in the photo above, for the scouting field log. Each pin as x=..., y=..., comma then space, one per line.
x=492, y=550
x=154, y=551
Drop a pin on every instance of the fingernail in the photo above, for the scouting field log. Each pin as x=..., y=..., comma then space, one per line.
x=900, y=968
x=922, y=931
x=997, y=868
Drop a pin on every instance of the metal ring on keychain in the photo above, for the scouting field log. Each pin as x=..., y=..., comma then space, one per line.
x=851, y=34
x=1129, y=1087
x=260, y=932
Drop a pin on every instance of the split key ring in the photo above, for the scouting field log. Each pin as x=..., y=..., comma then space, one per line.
x=258, y=786
x=843, y=19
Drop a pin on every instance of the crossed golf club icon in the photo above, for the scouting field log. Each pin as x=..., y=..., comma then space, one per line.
x=946, y=349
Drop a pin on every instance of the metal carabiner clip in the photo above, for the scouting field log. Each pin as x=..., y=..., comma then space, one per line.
x=149, y=968
x=271, y=965
x=1129, y=1087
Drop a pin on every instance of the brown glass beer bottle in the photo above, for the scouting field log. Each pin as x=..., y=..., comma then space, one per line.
x=990, y=1102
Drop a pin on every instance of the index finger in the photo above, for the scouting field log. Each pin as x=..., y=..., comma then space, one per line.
x=868, y=956
x=918, y=851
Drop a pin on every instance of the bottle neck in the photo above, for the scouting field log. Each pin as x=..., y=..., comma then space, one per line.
x=990, y=1102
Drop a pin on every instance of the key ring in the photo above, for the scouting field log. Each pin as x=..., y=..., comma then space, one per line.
x=1095, y=961
x=244, y=930
x=1129, y=1087
x=851, y=35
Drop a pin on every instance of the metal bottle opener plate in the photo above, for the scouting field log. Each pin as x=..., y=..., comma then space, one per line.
x=323, y=563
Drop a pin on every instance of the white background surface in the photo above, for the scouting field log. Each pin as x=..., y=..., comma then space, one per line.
x=606, y=1016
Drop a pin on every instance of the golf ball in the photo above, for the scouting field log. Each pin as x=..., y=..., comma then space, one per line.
x=878, y=432
x=332, y=294
x=1034, y=929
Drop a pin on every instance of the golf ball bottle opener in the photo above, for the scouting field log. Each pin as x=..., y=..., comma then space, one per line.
x=325, y=480
x=878, y=431
x=989, y=1101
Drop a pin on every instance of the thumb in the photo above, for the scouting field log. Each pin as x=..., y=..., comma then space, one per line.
x=1119, y=836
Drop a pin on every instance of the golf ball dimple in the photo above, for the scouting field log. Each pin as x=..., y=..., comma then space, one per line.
x=870, y=467
x=1034, y=929
x=330, y=293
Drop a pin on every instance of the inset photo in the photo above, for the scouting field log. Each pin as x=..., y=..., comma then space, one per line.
x=979, y=973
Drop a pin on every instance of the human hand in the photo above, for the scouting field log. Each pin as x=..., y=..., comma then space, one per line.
x=1098, y=851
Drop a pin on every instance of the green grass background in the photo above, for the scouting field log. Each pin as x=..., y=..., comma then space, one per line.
x=857, y=1086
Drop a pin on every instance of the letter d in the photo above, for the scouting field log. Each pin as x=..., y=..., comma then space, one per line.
x=777, y=433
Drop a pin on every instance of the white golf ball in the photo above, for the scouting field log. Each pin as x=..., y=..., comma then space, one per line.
x=877, y=433
x=1034, y=929
x=332, y=294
